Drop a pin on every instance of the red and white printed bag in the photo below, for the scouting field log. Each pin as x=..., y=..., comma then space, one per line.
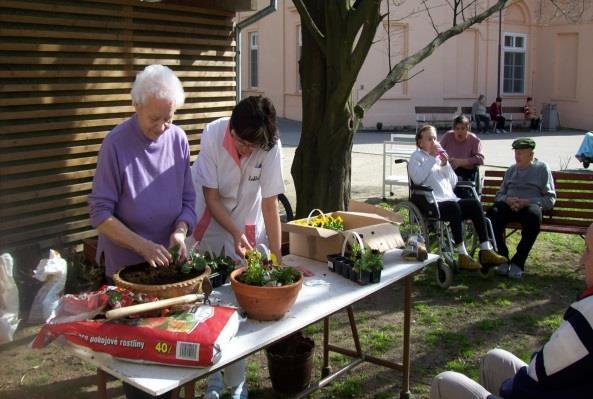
x=193, y=338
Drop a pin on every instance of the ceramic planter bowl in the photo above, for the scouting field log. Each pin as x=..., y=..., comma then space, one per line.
x=265, y=303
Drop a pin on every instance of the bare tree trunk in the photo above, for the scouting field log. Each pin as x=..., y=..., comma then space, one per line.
x=321, y=167
x=337, y=36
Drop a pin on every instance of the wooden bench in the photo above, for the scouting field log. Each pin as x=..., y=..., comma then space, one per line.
x=573, y=211
x=516, y=115
x=434, y=115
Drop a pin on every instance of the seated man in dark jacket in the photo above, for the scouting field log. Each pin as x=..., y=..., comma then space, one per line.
x=563, y=368
x=526, y=190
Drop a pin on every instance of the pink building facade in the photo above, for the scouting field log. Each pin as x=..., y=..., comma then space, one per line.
x=546, y=54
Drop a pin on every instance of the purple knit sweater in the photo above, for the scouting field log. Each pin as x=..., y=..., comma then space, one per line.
x=145, y=184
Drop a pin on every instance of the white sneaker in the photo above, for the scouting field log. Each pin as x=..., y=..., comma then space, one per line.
x=515, y=272
x=504, y=131
x=498, y=131
x=503, y=270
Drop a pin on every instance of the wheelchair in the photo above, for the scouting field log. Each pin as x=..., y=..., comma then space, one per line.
x=421, y=216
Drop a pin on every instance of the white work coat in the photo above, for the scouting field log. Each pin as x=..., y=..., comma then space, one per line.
x=241, y=183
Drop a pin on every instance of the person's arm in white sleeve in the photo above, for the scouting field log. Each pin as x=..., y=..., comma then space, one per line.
x=420, y=166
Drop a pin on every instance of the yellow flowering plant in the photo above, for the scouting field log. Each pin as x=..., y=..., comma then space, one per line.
x=324, y=221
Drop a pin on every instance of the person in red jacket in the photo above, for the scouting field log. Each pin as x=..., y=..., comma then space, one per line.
x=496, y=115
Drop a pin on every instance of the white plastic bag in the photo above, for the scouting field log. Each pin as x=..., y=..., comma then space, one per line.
x=53, y=272
x=9, y=300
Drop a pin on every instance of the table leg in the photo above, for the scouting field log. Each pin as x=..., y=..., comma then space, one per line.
x=101, y=384
x=325, y=369
x=190, y=390
x=405, y=392
x=354, y=331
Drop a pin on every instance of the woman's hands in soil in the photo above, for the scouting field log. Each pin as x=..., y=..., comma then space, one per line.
x=178, y=238
x=155, y=254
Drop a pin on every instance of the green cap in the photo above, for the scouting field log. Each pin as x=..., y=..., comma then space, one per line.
x=523, y=142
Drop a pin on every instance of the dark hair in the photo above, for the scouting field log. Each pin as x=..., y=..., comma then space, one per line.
x=422, y=130
x=254, y=120
x=498, y=99
x=460, y=119
x=529, y=99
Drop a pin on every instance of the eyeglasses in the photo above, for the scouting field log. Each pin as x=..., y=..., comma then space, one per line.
x=242, y=142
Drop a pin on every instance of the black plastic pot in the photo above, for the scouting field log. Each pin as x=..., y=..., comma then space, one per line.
x=217, y=279
x=366, y=277
x=375, y=276
x=290, y=362
x=331, y=261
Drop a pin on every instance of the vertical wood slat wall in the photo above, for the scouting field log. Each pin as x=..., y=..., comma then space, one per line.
x=66, y=70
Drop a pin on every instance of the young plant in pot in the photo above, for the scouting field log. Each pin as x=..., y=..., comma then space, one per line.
x=368, y=264
x=179, y=278
x=221, y=267
x=265, y=291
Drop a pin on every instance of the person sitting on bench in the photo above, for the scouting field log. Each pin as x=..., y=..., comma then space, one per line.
x=464, y=149
x=531, y=114
x=429, y=166
x=496, y=115
x=561, y=369
x=527, y=189
x=480, y=114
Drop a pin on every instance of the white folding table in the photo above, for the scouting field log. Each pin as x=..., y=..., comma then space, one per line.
x=322, y=295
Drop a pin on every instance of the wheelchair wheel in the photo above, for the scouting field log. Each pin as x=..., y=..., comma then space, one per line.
x=412, y=221
x=444, y=274
x=285, y=210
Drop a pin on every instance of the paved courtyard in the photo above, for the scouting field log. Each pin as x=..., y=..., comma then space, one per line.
x=556, y=148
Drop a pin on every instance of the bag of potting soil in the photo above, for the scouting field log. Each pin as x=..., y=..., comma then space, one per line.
x=193, y=338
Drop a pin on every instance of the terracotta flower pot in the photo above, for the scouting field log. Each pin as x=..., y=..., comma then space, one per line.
x=192, y=285
x=265, y=303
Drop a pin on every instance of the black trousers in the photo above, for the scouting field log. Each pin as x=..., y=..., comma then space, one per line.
x=530, y=218
x=500, y=121
x=534, y=124
x=455, y=212
x=483, y=120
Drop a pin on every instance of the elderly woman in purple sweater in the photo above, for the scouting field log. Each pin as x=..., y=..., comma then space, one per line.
x=143, y=200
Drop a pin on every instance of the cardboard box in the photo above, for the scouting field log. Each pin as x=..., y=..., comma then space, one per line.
x=316, y=243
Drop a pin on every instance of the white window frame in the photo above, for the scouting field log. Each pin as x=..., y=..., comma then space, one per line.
x=253, y=59
x=299, y=54
x=512, y=49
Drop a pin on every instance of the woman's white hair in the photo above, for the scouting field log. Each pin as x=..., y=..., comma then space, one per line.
x=157, y=81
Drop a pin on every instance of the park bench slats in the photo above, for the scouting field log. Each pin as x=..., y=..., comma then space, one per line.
x=573, y=211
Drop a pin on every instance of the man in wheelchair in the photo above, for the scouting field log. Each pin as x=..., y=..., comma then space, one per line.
x=429, y=166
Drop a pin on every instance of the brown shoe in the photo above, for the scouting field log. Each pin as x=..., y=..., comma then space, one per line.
x=490, y=258
x=467, y=263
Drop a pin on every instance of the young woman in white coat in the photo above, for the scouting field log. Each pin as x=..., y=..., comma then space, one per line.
x=237, y=177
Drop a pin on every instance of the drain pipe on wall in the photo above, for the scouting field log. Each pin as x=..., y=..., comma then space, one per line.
x=272, y=7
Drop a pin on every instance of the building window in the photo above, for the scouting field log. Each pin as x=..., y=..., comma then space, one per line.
x=299, y=55
x=253, y=59
x=514, y=57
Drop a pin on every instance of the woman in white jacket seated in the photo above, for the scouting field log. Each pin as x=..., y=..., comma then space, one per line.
x=429, y=166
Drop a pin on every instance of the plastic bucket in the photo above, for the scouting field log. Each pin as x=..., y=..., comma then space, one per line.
x=290, y=362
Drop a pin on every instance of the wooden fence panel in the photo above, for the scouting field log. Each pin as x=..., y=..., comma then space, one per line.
x=66, y=70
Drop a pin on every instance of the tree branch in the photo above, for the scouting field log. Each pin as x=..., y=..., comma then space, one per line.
x=432, y=20
x=311, y=26
x=409, y=62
